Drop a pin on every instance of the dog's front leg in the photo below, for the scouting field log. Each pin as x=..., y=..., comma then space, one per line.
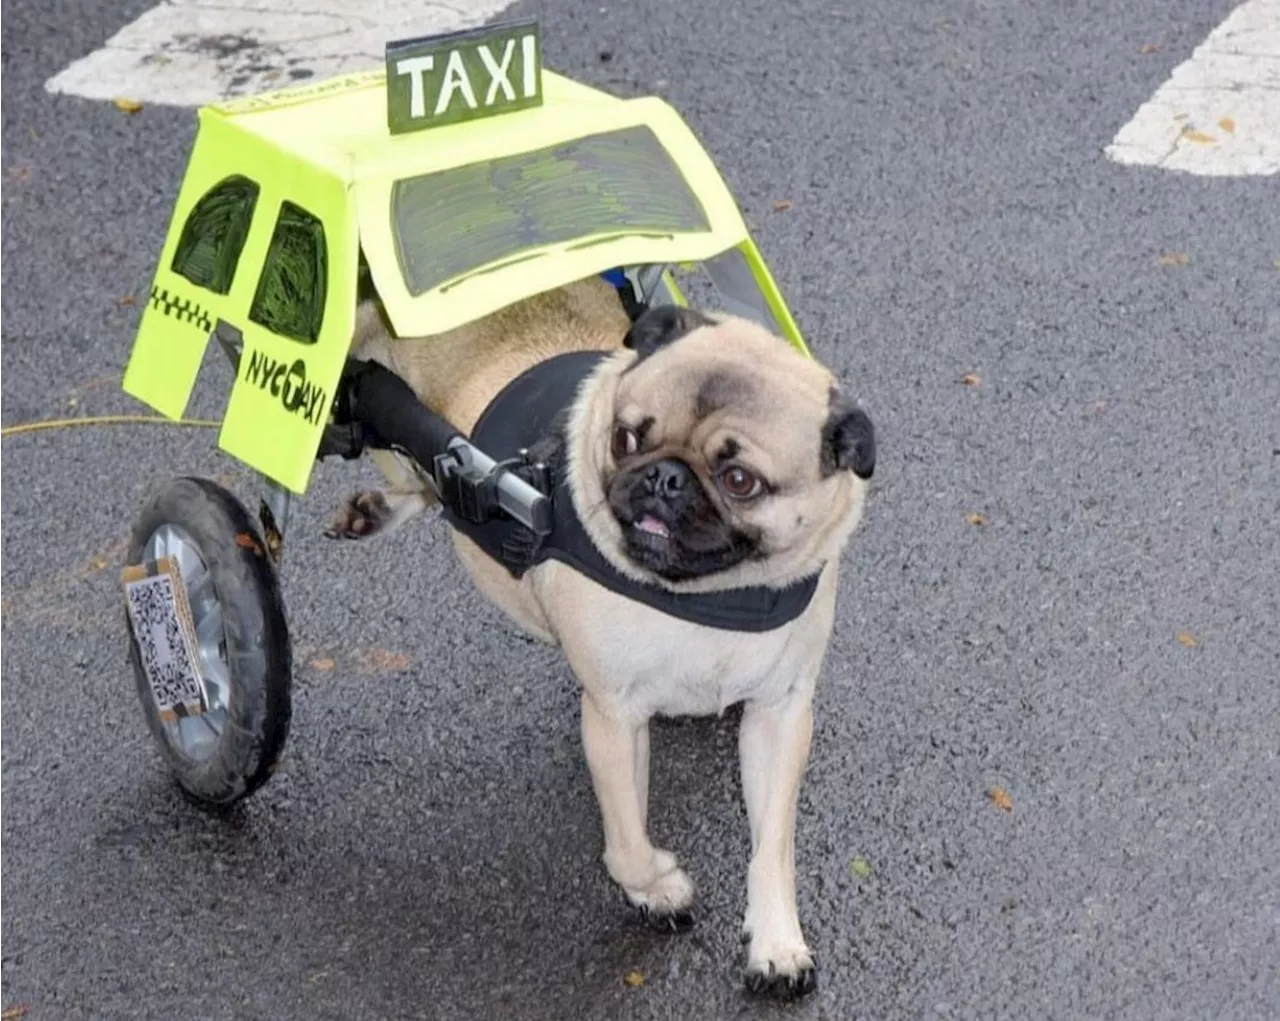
x=618, y=756
x=773, y=744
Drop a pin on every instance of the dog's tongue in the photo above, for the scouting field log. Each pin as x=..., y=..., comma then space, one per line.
x=653, y=526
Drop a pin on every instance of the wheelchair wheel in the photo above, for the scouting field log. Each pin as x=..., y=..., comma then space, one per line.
x=208, y=641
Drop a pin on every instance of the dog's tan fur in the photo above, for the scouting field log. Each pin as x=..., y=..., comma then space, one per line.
x=457, y=373
x=632, y=661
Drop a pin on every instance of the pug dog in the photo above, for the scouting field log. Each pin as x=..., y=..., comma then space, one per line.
x=705, y=457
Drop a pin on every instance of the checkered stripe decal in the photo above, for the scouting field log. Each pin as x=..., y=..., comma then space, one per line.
x=180, y=308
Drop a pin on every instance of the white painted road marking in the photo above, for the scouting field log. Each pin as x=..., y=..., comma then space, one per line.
x=1219, y=112
x=191, y=52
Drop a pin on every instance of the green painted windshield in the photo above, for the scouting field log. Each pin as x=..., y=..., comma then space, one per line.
x=453, y=223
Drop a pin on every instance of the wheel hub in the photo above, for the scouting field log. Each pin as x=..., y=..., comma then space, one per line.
x=196, y=737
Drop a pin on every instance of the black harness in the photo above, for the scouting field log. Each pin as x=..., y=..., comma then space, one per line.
x=530, y=414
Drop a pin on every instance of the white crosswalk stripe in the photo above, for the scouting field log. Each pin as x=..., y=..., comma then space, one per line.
x=1219, y=112
x=189, y=52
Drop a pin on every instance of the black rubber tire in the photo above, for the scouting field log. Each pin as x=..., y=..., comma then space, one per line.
x=257, y=641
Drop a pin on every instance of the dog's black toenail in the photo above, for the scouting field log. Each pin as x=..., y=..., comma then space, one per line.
x=801, y=985
x=757, y=981
x=681, y=920
x=782, y=987
x=666, y=921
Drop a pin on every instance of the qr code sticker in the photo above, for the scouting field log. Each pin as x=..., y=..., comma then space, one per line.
x=165, y=637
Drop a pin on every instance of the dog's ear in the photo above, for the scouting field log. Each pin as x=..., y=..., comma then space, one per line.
x=848, y=438
x=660, y=326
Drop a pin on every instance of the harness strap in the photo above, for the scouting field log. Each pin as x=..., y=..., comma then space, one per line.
x=529, y=413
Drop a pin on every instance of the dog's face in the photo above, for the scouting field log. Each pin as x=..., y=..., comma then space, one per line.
x=723, y=455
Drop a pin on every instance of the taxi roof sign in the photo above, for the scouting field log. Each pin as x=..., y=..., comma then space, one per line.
x=463, y=76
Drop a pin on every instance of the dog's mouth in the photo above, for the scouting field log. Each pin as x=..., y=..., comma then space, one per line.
x=651, y=526
x=675, y=543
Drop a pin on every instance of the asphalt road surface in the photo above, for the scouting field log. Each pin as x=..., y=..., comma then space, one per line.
x=431, y=847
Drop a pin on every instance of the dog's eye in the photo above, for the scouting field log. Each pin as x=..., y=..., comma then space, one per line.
x=740, y=483
x=625, y=442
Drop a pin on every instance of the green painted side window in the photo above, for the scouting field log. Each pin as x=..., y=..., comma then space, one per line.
x=291, y=291
x=214, y=234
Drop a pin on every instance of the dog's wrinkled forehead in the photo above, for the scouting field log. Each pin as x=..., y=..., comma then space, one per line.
x=680, y=400
x=693, y=369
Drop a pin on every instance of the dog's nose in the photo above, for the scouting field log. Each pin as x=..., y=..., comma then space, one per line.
x=667, y=478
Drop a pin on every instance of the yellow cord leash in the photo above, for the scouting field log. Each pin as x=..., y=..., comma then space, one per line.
x=63, y=423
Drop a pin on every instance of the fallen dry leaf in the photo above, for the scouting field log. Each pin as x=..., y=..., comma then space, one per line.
x=13, y=1013
x=385, y=659
x=781, y=205
x=1187, y=640
x=1173, y=258
x=1002, y=799
x=21, y=173
x=127, y=105
x=322, y=663
x=976, y=519
x=247, y=541
x=100, y=563
x=1227, y=125
x=860, y=867
x=1199, y=137
x=1146, y=48
x=634, y=978
x=128, y=299
x=970, y=379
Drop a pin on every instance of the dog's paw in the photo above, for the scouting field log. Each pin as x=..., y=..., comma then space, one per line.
x=362, y=515
x=666, y=902
x=783, y=969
